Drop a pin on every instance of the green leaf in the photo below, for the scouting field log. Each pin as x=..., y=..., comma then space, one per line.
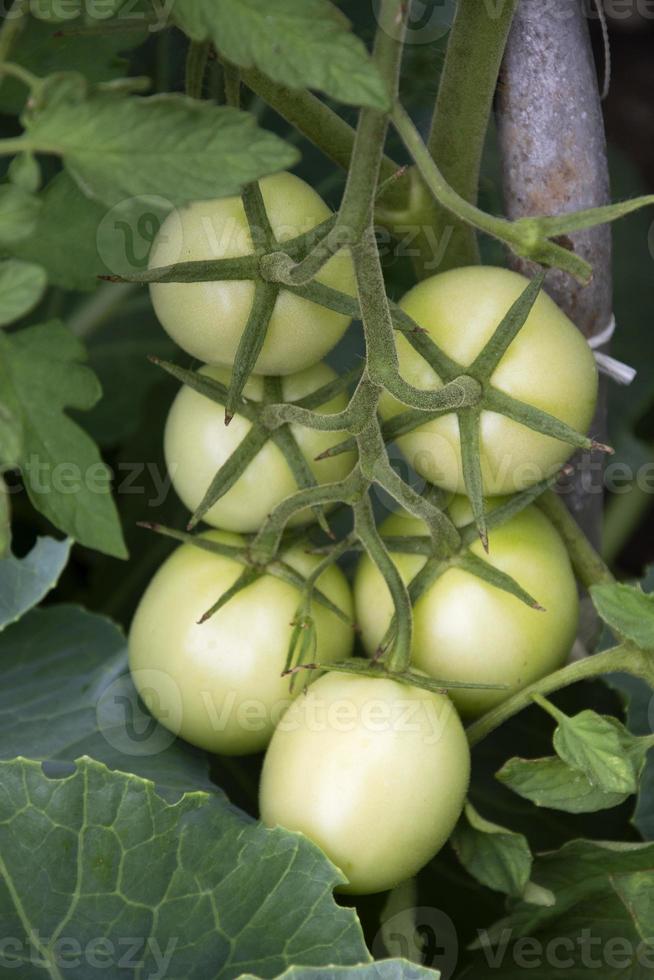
x=43, y=49
x=166, y=145
x=118, y=353
x=598, y=747
x=207, y=891
x=551, y=783
x=41, y=374
x=24, y=172
x=637, y=696
x=600, y=924
x=22, y=285
x=66, y=691
x=497, y=857
x=11, y=438
x=65, y=237
x=25, y=581
x=19, y=211
x=301, y=45
x=396, y=969
x=76, y=239
x=627, y=610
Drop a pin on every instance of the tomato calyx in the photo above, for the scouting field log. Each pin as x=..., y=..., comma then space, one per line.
x=378, y=669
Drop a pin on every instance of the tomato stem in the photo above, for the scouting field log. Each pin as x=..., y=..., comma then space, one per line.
x=625, y=658
x=587, y=563
x=458, y=128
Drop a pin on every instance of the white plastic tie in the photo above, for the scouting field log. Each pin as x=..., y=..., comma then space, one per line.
x=619, y=372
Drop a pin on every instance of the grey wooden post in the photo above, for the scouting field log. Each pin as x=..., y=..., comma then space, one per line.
x=553, y=150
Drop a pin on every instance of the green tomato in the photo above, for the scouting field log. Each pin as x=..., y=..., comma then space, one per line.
x=467, y=630
x=207, y=319
x=197, y=443
x=218, y=684
x=548, y=365
x=373, y=771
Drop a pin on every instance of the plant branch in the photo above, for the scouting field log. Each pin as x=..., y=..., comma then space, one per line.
x=588, y=565
x=623, y=658
x=305, y=112
x=458, y=128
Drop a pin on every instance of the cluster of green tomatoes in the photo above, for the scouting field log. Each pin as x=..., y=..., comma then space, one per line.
x=373, y=770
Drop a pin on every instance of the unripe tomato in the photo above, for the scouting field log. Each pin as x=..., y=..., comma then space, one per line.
x=468, y=630
x=207, y=319
x=548, y=365
x=218, y=684
x=197, y=443
x=373, y=771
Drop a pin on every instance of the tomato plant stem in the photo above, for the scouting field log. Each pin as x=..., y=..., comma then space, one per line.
x=196, y=63
x=588, y=565
x=458, y=128
x=624, y=658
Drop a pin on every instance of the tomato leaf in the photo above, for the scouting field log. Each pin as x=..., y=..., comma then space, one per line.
x=64, y=239
x=19, y=211
x=550, y=782
x=302, y=45
x=42, y=373
x=118, y=353
x=207, y=890
x=11, y=438
x=600, y=747
x=81, y=700
x=600, y=923
x=396, y=969
x=25, y=581
x=43, y=49
x=166, y=145
x=22, y=285
x=627, y=610
x=637, y=696
x=24, y=172
x=497, y=857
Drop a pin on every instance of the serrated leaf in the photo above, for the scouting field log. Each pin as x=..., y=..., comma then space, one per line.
x=166, y=145
x=66, y=691
x=76, y=239
x=628, y=610
x=19, y=211
x=597, y=746
x=22, y=285
x=497, y=857
x=25, y=581
x=301, y=45
x=43, y=49
x=207, y=891
x=600, y=924
x=41, y=374
x=549, y=782
x=64, y=240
